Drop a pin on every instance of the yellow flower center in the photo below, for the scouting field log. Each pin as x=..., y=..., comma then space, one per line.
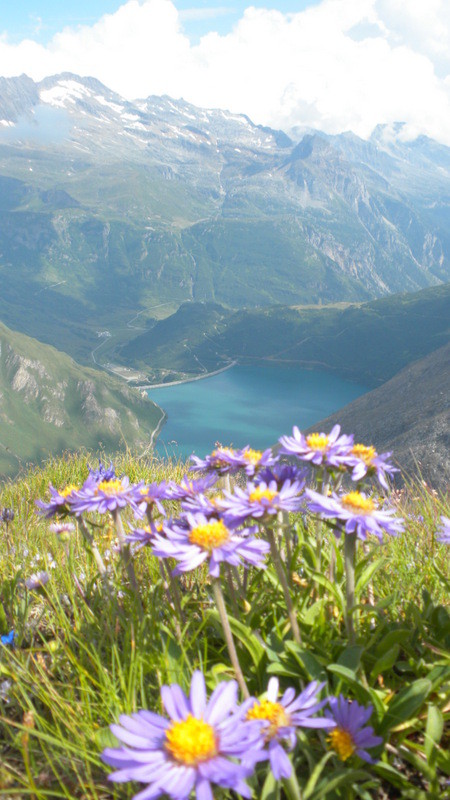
x=366, y=454
x=191, y=741
x=68, y=490
x=317, y=441
x=273, y=713
x=252, y=456
x=109, y=487
x=211, y=535
x=220, y=453
x=259, y=494
x=356, y=502
x=341, y=741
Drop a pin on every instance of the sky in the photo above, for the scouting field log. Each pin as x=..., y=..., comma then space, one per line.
x=330, y=64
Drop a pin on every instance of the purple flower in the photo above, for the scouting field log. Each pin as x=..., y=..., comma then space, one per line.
x=107, y=496
x=202, y=743
x=7, y=515
x=61, y=501
x=189, y=487
x=366, y=461
x=103, y=473
x=63, y=530
x=151, y=495
x=37, y=581
x=444, y=531
x=355, y=512
x=261, y=500
x=226, y=460
x=351, y=735
x=253, y=460
x=280, y=719
x=280, y=473
x=195, y=539
x=202, y=504
x=320, y=449
x=141, y=537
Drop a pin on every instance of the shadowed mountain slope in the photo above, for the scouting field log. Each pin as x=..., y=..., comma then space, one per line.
x=409, y=415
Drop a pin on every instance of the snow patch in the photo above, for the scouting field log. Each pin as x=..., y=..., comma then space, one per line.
x=64, y=91
x=115, y=107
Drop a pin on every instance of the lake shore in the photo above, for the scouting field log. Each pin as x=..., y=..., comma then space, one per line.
x=149, y=386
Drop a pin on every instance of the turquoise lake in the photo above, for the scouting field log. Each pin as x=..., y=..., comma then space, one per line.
x=247, y=405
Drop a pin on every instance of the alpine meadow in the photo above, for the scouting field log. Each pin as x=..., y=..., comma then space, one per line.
x=224, y=400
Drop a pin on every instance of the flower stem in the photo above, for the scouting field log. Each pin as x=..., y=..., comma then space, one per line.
x=284, y=584
x=126, y=558
x=291, y=787
x=349, y=560
x=89, y=539
x=220, y=603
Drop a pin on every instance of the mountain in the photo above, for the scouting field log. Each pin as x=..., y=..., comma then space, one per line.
x=410, y=416
x=112, y=208
x=49, y=404
x=367, y=342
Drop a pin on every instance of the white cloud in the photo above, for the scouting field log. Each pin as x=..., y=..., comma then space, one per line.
x=343, y=64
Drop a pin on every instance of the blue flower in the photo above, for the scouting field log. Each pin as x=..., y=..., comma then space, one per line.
x=8, y=638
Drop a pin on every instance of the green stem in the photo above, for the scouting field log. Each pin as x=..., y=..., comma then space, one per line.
x=349, y=560
x=126, y=558
x=220, y=603
x=284, y=585
x=89, y=539
x=291, y=787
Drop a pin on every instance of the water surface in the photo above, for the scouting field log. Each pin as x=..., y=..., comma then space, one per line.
x=247, y=405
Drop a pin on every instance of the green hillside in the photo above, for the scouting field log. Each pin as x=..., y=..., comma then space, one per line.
x=49, y=404
x=369, y=342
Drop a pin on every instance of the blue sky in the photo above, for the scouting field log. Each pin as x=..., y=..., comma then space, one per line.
x=41, y=19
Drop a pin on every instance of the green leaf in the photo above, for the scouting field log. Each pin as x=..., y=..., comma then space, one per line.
x=271, y=788
x=399, y=636
x=344, y=777
x=105, y=738
x=314, y=669
x=385, y=662
x=248, y=639
x=434, y=730
x=351, y=657
x=363, y=694
x=367, y=574
x=315, y=775
x=405, y=705
x=332, y=588
x=309, y=616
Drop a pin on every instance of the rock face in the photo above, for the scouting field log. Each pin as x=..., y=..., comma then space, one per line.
x=48, y=404
x=410, y=416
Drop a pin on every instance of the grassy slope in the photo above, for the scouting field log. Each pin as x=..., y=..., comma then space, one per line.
x=48, y=403
x=368, y=342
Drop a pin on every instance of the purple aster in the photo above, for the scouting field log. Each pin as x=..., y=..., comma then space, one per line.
x=103, y=473
x=151, y=495
x=202, y=504
x=251, y=461
x=37, y=580
x=280, y=473
x=7, y=515
x=320, y=449
x=140, y=537
x=189, y=487
x=280, y=719
x=61, y=501
x=444, y=531
x=222, y=460
x=63, y=530
x=351, y=735
x=261, y=500
x=195, y=539
x=107, y=496
x=202, y=743
x=355, y=512
x=366, y=461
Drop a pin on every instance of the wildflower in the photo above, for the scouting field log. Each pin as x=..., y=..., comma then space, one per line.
x=104, y=496
x=320, y=449
x=366, y=461
x=444, y=531
x=103, y=473
x=351, y=735
x=61, y=501
x=222, y=460
x=280, y=473
x=63, y=530
x=8, y=638
x=151, y=495
x=280, y=719
x=253, y=460
x=202, y=743
x=7, y=515
x=262, y=500
x=202, y=504
x=355, y=512
x=140, y=537
x=189, y=487
x=5, y=687
x=37, y=580
x=195, y=539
